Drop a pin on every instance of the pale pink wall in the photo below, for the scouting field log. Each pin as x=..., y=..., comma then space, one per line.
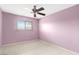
x=62, y=28
x=0, y=27
x=11, y=35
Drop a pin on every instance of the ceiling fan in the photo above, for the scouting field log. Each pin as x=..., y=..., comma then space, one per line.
x=37, y=11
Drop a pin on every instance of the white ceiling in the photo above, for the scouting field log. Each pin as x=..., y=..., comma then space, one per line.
x=25, y=9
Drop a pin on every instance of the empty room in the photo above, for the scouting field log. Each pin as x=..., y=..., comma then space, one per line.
x=41, y=29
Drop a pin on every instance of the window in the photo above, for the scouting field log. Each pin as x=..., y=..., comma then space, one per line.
x=28, y=25
x=24, y=25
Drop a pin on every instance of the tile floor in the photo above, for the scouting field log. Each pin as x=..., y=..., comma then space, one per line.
x=34, y=47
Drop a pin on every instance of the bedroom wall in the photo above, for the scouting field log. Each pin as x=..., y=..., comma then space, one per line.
x=62, y=28
x=11, y=35
x=0, y=27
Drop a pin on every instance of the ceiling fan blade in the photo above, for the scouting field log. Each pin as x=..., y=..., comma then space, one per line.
x=40, y=9
x=34, y=15
x=41, y=14
x=34, y=6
